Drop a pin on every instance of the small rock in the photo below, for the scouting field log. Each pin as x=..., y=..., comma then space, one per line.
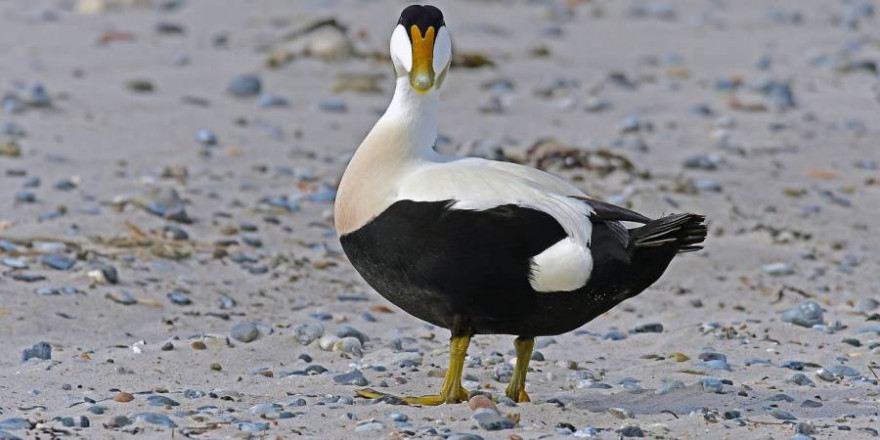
x=778, y=269
x=369, y=426
x=354, y=377
x=806, y=314
x=39, y=351
x=307, y=333
x=782, y=414
x=670, y=386
x=631, y=431
x=57, y=261
x=15, y=424
x=648, y=328
x=481, y=401
x=245, y=86
x=492, y=420
x=165, y=202
x=122, y=297
x=156, y=419
x=118, y=422
x=867, y=305
x=206, y=138
x=800, y=379
x=179, y=298
x=269, y=100
x=245, y=332
x=503, y=372
x=348, y=331
x=712, y=385
x=123, y=397
x=161, y=401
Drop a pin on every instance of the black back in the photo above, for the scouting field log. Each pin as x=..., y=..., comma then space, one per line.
x=421, y=16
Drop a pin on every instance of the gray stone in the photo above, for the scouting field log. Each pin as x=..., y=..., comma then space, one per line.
x=669, y=386
x=41, y=350
x=155, y=419
x=15, y=424
x=503, y=372
x=57, y=261
x=778, y=269
x=631, y=431
x=161, y=401
x=245, y=86
x=806, y=314
x=369, y=426
x=353, y=377
x=712, y=384
x=349, y=331
x=491, y=420
x=307, y=333
x=245, y=332
x=800, y=379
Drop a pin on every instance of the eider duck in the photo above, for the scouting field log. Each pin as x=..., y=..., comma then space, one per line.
x=479, y=246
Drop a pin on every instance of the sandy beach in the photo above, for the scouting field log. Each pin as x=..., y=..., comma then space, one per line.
x=169, y=266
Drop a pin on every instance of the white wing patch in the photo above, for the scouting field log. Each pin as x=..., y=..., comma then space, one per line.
x=563, y=267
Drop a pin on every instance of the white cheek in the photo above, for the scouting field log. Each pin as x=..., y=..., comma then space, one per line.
x=401, y=48
x=442, y=50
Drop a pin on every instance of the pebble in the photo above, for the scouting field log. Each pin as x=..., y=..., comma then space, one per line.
x=867, y=305
x=800, y=379
x=245, y=332
x=15, y=424
x=25, y=197
x=118, y=422
x=711, y=385
x=354, y=377
x=614, y=335
x=123, y=397
x=631, y=431
x=15, y=263
x=778, y=269
x=333, y=105
x=161, y=401
x=155, y=419
x=655, y=327
x=41, y=350
x=481, y=401
x=206, y=138
x=843, y=371
x=193, y=394
x=252, y=426
x=245, y=86
x=307, y=333
x=348, y=331
x=492, y=420
x=267, y=100
x=122, y=297
x=57, y=261
x=369, y=426
x=165, y=202
x=781, y=414
x=669, y=386
x=503, y=372
x=179, y=298
x=806, y=314
x=705, y=162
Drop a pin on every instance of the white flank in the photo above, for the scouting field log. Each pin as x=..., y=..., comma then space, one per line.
x=563, y=267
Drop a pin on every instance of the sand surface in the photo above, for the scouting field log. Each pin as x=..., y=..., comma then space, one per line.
x=764, y=118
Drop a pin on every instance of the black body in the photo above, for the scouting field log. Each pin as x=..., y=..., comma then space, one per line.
x=448, y=266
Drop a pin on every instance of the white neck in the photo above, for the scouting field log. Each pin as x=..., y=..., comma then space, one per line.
x=401, y=140
x=413, y=116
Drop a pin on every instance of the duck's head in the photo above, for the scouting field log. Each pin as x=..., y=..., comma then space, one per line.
x=421, y=48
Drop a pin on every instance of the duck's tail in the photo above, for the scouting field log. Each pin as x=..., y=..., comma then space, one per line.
x=683, y=232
